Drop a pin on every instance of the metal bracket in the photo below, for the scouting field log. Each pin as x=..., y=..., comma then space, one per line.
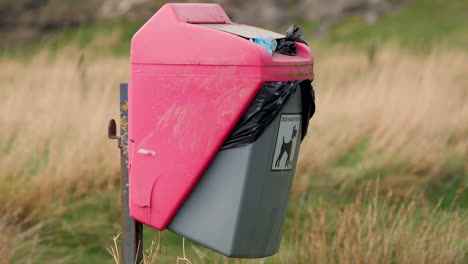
x=112, y=132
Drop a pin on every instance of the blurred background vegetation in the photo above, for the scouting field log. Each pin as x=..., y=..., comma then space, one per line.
x=28, y=26
x=382, y=174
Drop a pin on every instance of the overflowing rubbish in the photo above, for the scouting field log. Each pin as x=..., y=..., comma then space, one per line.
x=287, y=45
x=268, y=43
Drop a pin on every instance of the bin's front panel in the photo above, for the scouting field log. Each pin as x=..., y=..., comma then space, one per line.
x=177, y=124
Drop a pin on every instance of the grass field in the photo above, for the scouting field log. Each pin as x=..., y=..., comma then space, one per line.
x=382, y=176
x=387, y=143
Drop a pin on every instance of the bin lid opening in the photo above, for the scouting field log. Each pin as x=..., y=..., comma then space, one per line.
x=245, y=31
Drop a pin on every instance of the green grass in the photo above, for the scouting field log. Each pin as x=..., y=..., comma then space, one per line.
x=451, y=187
x=84, y=230
x=82, y=233
x=422, y=24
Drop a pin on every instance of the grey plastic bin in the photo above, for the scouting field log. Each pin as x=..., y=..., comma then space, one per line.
x=239, y=205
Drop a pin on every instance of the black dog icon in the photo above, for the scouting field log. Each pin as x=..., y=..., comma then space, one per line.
x=286, y=148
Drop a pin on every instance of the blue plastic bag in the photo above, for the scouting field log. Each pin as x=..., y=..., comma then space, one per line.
x=268, y=43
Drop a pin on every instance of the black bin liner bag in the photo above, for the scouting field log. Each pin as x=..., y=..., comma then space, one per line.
x=287, y=45
x=271, y=98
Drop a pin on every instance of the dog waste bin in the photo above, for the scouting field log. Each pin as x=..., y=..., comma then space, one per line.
x=215, y=125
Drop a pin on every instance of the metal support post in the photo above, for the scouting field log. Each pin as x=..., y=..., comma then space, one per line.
x=131, y=230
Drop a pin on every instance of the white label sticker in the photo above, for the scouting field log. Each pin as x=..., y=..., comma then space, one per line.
x=286, y=142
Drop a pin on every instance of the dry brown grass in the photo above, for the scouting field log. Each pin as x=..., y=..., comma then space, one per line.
x=410, y=112
x=18, y=244
x=150, y=255
x=53, y=144
x=53, y=118
x=368, y=231
x=376, y=231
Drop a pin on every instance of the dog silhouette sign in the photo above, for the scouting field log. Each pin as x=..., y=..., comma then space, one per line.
x=286, y=141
